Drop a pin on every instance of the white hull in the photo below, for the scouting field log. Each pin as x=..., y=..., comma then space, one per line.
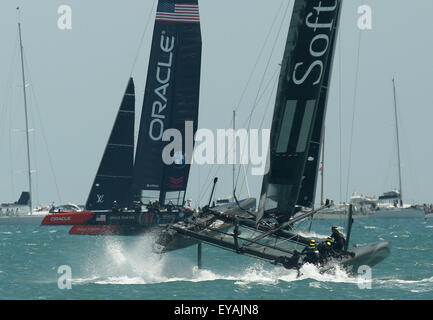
x=16, y=215
x=393, y=213
x=21, y=220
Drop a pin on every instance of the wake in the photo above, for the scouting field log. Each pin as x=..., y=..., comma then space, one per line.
x=133, y=262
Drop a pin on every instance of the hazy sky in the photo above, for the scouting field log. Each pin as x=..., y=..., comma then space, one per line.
x=78, y=77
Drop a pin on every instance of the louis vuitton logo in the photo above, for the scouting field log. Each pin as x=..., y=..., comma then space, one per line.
x=100, y=198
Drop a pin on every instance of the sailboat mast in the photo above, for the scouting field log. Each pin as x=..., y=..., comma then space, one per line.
x=27, y=120
x=234, y=151
x=398, y=142
x=323, y=168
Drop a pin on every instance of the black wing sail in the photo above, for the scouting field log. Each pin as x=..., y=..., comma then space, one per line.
x=171, y=101
x=300, y=104
x=113, y=180
x=307, y=193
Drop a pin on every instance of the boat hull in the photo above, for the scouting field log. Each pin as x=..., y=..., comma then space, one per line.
x=67, y=218
x=208, y=225
x=21, y=220
x=366, y=255
x=114, y=230
x=404, y=213
x=133, y=223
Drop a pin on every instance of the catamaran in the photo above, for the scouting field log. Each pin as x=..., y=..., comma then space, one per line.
x=132, y=196
x=288, y=189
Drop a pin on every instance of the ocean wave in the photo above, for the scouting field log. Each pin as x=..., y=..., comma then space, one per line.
x=254, y=274
x=415, y=286
x=139, y=265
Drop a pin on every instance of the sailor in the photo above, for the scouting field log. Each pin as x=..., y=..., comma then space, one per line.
x=188, y=204
x=170, y=206
x=115, y=207
x=339, y=240
x=156, y=209
x=155, y=205
x=195, y=214
x=137, y=205
x=149, y=205
x=325, y=250
x=311, y=253
x=294, y=262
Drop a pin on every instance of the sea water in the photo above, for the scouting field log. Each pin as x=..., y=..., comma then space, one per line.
x=45, y=262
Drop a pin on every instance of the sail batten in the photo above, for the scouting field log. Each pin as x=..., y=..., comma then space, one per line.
x=300, y=107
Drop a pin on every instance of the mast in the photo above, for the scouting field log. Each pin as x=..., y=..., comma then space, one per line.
x=234, y=151
x=349, y=227
x=26, y=116
x=323, y=167
x=398, y=142
x=240, y=164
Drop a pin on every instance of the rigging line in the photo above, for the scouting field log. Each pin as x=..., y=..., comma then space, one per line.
x=268, y=105
x=36, y=104
x=204, y=191
x=149, y=18
x=339, y=115
x=8, y=111
x=409, y=160
x=10, y=163
x=253, y=70
x=398, y=142
x=274, y=81
x=355, y=93
x=259, y=56
x=259, y=93
x=8, y=89
x=387, y=181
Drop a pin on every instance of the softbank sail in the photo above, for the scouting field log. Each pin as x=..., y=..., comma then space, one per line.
x=295, y=144
x=299, y=114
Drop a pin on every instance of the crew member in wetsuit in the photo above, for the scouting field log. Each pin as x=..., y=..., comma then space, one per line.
x=325, y=250
x=295, y=262
x=170, y=207
x=339, y=240
x=115, y=207
x=311, y=253
x=137, y=205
